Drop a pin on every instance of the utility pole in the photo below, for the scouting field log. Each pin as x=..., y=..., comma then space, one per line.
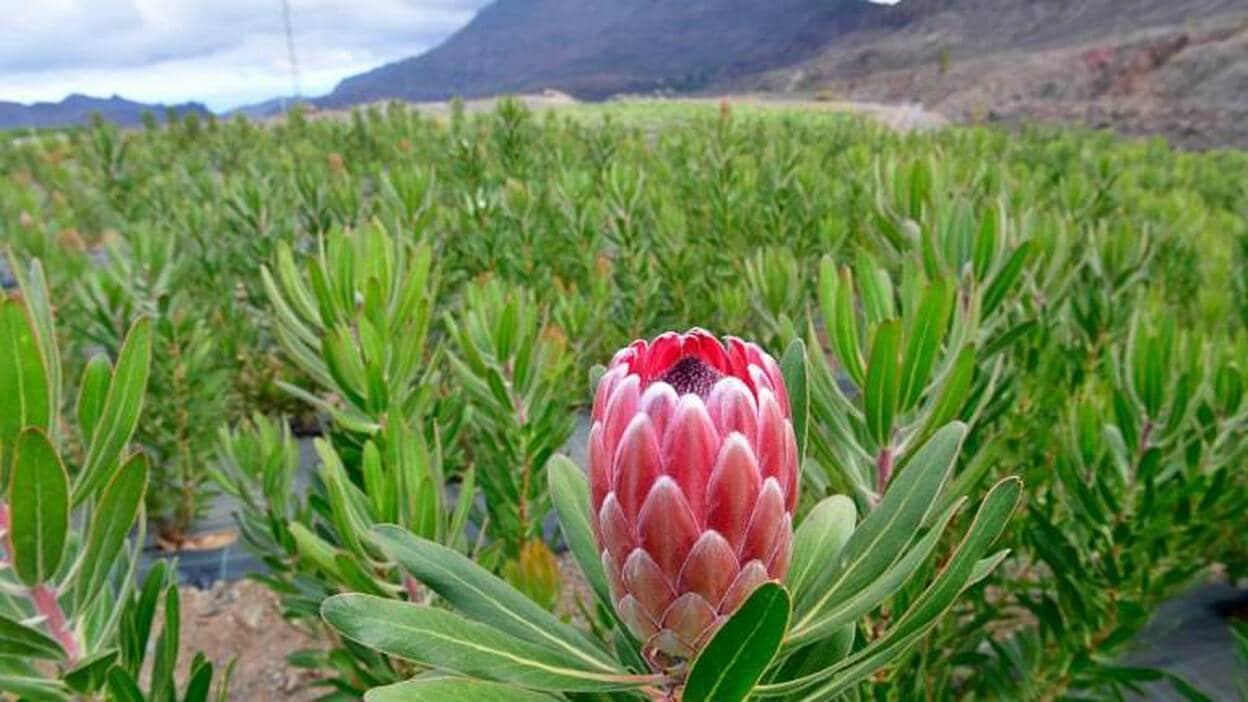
x=290, y=52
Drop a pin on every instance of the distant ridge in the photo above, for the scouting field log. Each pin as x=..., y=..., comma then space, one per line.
x=77, y=109
x=596, y=48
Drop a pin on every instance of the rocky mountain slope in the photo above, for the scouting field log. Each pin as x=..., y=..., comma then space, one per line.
x=77, y=109
x=596, y=48
x=1175, y=67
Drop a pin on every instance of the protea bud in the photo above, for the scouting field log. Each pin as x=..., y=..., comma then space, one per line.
x=693, y=472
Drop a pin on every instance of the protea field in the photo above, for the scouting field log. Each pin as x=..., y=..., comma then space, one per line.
x=670, y=402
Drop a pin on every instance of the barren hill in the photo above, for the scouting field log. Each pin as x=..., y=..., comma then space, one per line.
x=1178, y=67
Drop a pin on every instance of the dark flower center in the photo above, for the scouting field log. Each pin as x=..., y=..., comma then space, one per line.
x=691, y=375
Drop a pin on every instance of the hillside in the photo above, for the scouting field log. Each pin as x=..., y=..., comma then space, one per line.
x=77, y=109
x=596, y=48
x=1175, y=67
x=1139, y=66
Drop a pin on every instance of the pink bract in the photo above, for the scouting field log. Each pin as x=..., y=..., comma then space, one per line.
x=693, y=474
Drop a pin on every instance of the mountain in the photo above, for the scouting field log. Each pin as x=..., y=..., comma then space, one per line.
x=1174, y=67
x=596, y=48
x=77, y=109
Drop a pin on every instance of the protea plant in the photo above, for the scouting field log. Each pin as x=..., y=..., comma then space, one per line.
x=693, y=475
x=683, y=528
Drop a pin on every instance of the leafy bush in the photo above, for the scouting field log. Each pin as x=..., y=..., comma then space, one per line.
x=74, y=621
x=435, y=289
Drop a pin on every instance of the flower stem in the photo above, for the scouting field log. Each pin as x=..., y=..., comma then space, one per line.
x=44, y=599
x=884, y=470
x=47, y=605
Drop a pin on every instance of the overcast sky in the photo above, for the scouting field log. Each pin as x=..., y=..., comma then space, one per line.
x=222, y=52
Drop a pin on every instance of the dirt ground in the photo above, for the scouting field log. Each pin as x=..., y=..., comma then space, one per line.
x=242, y=621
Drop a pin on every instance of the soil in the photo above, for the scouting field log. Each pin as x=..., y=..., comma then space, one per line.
x=242, y=621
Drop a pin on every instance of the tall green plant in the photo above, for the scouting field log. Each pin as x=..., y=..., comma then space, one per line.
x=73, y=623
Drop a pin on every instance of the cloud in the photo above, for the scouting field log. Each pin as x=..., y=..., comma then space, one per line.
x=223, y=52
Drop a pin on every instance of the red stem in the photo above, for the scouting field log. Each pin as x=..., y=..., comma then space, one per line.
x=47, y=605
x=44, y=599
x=884, y=470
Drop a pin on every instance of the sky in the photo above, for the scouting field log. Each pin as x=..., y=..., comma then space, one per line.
x=224, y=53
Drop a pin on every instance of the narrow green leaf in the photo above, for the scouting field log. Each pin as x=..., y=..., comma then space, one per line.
x=890, y=527
x=818, y=542
x=110, y=525
x=842, y=320
x=91, y=394
x=122, y=406
x=30, y=689
x=17, y=639
x=39, y=508
x=730, y=665
x=200, y=684
x=925, y=334
x=23, y=380
x=444, y=640
x=793, y=367
x=487, y=599
x=315, y=549
x=123, y=687
x=453, y=689
x=883, y=376
x=846, y=610
x=964, y=568
x=569, y=490
x=163, y=668
x=952, y=394
x=1005, y=278
x=876, y=288
x=91, y=673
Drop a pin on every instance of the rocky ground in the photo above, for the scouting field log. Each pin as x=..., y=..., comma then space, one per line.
x=242, y=622
x=1180, y=72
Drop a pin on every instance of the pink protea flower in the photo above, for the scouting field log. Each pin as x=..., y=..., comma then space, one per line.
x=693, y=473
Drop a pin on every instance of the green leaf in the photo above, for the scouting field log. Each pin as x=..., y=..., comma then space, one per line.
x=883, y=376
x=963, y=569
x=453, y=689
x=33, y=288
x=444, y=640
x=1005, y=278
x=163, y=668
x=110, y=525
x=818, y=542
x=17, y=639
x=793, y=367
x=836, y=300
x=487, y=599
x=845, y=610
x=730, y=665
x=92, y=393
x=569, y=491
x=24, y=398
x=122, y=406
x=30, y=689
x=923, y=343
x=882, y=537
x=315, y=549
x=123, y=687
x=876, y=288
x=200, y=683
x=953, y=392
x=90, y=674
x=39, y=508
